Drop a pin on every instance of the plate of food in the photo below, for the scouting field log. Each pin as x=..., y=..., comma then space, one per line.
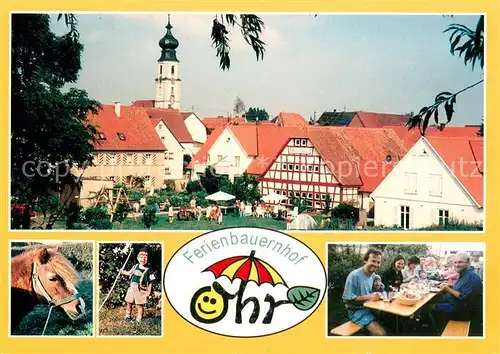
x=408, y=298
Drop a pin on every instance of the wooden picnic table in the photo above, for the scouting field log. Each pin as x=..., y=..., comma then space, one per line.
x=396, y=308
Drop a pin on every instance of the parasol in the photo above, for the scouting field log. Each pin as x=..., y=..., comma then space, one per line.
x=220, y=196
x=246, y=268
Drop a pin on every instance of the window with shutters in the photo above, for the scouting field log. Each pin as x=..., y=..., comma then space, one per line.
x=102, y=159
x=112, y=159
x=410, y=183
x=435, y=185
x=147, y=159
x=167, y=170
x=170, y=155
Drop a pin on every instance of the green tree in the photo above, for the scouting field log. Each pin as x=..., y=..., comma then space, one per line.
x=246, y=188
x=256, y=113
x=149, y=217
x=463, y=42
x=121, y=212
x=50, y=131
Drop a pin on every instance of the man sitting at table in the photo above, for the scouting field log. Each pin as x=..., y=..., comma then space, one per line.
x=463, y=300
x=359, y=289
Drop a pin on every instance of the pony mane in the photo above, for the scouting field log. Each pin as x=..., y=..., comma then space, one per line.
x=24, y=263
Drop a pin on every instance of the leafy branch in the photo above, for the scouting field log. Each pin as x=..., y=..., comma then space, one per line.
x=251, y=27
x=421, y=120
x=463, y=42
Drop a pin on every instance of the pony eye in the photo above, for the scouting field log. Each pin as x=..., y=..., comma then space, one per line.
x=53, y=278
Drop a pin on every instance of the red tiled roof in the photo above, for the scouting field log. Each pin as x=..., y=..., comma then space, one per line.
x=133, y=123
x=186, y=114
x=357, y=156
x=380, y=120
x=212, y=123
x=410, y=137
x=172, y=118
x=290, y=120
x=201, y=155
x=144, y=103
x=464, y=157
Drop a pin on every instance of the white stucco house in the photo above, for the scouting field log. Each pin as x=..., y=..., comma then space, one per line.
x=197, y=130
x=439, y=179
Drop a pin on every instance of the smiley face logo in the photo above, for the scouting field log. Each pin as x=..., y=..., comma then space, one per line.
x=209, y=305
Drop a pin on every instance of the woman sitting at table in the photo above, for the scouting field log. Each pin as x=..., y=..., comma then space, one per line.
x=393, y=277
x=410, y=272
x=449, y=273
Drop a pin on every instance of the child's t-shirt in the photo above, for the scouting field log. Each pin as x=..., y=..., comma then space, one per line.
x=140, y=271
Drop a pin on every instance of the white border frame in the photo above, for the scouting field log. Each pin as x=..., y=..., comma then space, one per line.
x=483, y=337
x=9, y=248
x=96, y=295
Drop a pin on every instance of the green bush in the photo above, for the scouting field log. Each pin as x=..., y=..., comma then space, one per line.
x=112, y=259
x=100, y=224
x=392, y=250
x=193, y=187
x=121, y=212
x=80, y=254
x=327, y=209
x=342, y=224
x=149, y=217
x=169, y=185
x=48, y=204
x=95, y=213
x=346, y=211
x=455, y=225
x=340, y=264
x=73, y=214
x=134, y=195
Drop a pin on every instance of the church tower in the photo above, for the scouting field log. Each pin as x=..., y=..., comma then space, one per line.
x=168, y=84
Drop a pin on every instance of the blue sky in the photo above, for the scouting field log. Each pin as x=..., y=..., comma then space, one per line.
x=379, y=63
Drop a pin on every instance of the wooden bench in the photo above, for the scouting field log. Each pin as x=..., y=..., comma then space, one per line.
x=346, y=329
x=456, y=329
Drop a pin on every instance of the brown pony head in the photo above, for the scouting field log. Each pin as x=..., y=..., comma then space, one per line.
x=59, y=278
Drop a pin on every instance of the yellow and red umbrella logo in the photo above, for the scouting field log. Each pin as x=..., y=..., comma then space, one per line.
x=247, y=268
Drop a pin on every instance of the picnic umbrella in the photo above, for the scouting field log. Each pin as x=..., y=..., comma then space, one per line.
x=220, y=196
x=246, y=268
x=274, y=197
x=303, y=222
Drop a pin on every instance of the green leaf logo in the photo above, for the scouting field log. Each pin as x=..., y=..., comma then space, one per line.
x=303, y=297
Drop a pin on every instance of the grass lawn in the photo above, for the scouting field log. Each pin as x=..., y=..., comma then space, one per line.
x=112, y=323
x=228, y=220
x=59, y=323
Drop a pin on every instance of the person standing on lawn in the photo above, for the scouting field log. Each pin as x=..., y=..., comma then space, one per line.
x=141, y=278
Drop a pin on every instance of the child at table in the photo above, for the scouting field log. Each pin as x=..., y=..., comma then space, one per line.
x=378, y=286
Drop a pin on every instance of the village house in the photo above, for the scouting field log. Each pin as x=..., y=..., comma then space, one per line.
x=196, y=129
x=234, y=149
x=345, y=164
x=127, y=147
x=439, y=179
x=213, y=123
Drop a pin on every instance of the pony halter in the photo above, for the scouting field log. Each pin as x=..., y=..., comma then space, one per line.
x=51, y=301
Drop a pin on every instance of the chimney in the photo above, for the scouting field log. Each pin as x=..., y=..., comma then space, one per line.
x=117, y=108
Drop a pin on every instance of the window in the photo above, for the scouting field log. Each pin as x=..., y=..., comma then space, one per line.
x=112, y=159
x=161, y=69
x=309, y=168
x=316, y=196
x=121, y=136
x=219, y=157
x=167, y=170
x=303, y=168
x=147, y=180
x=296, y=167
x=162, y=139
x=160, y=126
x=297, y=142
x=410, y=183
x=443, y=217
x=170, y=155
x=304, y=195
x=290, y=167
x=404, y=217
x=323, y=196
x=237, y=161
x=316, y=168
x=435, y=185
x=290, y=193
x=317, y=205
x=297, y=194
x=172, y=70
x=310, y=195
x=283, y=167
x=303, y=142
x=172, y=90
x=147, y=159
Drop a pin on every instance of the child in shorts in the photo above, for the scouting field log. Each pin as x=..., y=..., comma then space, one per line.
x=141, y=278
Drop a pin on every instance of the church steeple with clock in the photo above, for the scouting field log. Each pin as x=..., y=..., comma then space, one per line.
x=168, y=83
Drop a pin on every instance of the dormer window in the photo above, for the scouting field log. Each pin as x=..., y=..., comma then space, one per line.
x=121, y=136
x=102, y=136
